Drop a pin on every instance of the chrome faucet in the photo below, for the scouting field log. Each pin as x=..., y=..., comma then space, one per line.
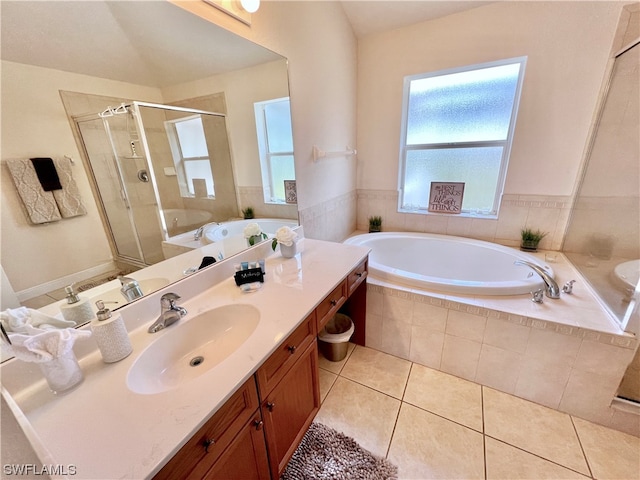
x=551, y=287
x=200, y=231
x=169, y=312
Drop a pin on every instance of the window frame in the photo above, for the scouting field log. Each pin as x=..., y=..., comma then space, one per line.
x=505, y=144
x=264, y=152
x=180, y=161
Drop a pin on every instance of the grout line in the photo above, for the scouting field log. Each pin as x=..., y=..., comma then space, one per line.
x=484, y=436
x=584, y=454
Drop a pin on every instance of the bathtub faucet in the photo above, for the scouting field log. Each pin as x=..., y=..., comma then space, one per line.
x=200, y=231
x=551, y=287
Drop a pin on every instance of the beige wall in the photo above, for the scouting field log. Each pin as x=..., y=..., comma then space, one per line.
x=568, y=46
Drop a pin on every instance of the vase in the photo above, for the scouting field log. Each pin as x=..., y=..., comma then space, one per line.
x=288, y=251
x=62, y=373
x=529, y=246
x=254, y=240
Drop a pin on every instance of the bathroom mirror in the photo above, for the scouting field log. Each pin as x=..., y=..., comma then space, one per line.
x=148, y=51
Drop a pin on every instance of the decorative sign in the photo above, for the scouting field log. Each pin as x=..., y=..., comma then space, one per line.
x=290, y=192
x=249, y=276
x=446, y=197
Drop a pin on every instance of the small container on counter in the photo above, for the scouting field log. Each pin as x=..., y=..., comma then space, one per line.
x=77, y=309
x=110, y=334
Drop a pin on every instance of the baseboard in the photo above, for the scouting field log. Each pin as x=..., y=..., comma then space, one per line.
x=62, y=282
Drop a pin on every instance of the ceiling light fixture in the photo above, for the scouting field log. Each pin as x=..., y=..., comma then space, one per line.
x=250, y=6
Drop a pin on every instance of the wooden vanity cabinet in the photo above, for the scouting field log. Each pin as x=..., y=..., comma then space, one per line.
x=255, y=433
x=206, y=447
x=289, y=409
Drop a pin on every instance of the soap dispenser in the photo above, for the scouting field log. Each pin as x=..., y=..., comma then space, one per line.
x=77, y=309
x=110, y=334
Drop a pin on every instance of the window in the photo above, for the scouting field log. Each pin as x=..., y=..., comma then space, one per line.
x=457, y=127
x=275, y=144
x=191, y=156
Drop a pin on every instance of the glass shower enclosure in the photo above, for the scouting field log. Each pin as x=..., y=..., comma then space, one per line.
x=157, y=171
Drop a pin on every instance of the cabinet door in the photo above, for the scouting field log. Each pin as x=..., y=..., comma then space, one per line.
x=290, y=408
x=246, y=456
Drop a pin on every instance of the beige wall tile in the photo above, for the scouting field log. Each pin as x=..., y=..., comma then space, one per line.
x=466, y=325
x=396, y=337
x=397, y=308
x=603, y=359
x=506, y=335
x=429, y=316
x=541, y=382
x=460, y=357
x=451, y=397
x=426, y=346
x=498, y=368
x=373, y=332
x=589, y=395
x=552, y=347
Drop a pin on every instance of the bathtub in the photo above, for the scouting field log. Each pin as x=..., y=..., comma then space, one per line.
x=180, y=220
x=449, y=264
x=227, y=230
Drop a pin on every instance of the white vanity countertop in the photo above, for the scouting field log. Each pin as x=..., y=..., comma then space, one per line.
x=106, y=431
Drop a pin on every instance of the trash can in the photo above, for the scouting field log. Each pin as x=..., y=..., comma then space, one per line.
x=334, y=337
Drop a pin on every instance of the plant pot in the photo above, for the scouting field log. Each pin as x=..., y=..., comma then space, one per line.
x=288, y=251
x=527, y=246
x=374, y=229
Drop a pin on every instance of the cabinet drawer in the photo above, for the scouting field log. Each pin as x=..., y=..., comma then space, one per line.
x=356, y=277
x=195, y=458
x=280, y=361
x=330, y=305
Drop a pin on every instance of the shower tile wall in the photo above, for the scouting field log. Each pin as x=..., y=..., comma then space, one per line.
x=332, y=220
x=254, y=197
x=547, y=213
x=569, y=369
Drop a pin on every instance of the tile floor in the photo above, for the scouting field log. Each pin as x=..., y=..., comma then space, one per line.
x=436, y=426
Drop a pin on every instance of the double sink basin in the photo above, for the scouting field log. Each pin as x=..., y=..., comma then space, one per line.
x=192, y=347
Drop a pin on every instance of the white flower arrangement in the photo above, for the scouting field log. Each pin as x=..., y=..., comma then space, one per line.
x=253, y=230
x=285, y=236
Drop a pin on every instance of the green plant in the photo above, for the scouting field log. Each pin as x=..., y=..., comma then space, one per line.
x=529, y=236
x=248, y=213
x=375, y=223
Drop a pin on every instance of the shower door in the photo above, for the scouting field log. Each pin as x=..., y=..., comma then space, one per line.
x=120, y=171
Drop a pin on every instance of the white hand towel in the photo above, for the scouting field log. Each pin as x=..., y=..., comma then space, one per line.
x=16, y=319
x=44, y=346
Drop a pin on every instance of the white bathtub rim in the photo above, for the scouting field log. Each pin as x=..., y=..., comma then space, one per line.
x=454, y=286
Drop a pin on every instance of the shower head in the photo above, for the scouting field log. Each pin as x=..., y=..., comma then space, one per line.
x=134, y=154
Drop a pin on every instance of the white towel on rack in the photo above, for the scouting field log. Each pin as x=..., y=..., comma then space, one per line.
x=41, y=206
x=68, y=199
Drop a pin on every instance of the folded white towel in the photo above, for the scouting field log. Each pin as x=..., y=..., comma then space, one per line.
x=16, y=319
x=46, y=345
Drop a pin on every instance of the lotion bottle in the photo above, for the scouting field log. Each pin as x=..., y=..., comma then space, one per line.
x=110, y=334
x=77, y=309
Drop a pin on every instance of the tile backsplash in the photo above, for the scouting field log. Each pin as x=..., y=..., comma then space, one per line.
x=547, y=213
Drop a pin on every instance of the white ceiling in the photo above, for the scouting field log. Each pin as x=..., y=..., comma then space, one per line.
x=375, y=16
x=136, y=41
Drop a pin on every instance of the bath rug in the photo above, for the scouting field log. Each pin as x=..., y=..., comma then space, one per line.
x=327, y=454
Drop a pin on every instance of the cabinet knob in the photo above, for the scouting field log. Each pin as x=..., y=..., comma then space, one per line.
x=359, y=274
x=258, y=424
x=270, y=406
x=333, y=302
x=207, y=443
x=292, y=349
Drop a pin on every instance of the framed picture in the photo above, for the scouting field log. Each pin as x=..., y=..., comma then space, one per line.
x=446, y=197
x=290, y=192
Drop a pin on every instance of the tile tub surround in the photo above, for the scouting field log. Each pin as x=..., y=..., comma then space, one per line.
x=445, y=427
x=63, y=430
x=565, y=354
x=547, y=213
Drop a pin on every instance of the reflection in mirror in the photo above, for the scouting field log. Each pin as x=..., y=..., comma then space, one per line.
x=103, y=57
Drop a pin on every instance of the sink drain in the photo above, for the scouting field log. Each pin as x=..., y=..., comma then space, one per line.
x=195, y=361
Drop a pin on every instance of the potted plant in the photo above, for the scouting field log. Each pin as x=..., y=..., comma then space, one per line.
x=530, y=239
x=254, y=234
x=247, y=213
x=375, y=224
x=287, y=240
